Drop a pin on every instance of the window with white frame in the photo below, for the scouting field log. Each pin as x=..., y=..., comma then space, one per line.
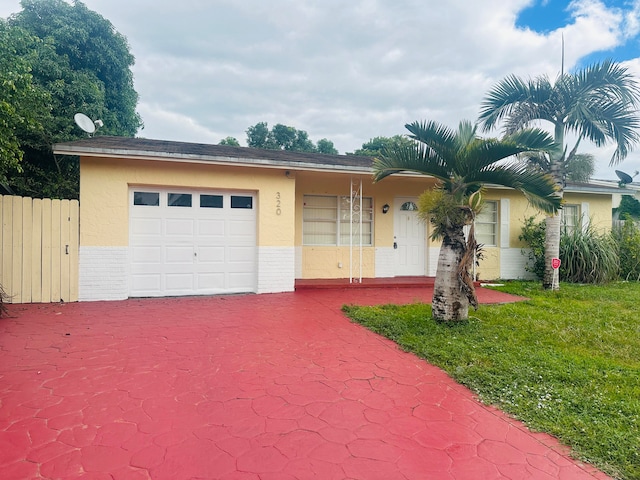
x=570, y=218
x=329, y=220
x=486, y=225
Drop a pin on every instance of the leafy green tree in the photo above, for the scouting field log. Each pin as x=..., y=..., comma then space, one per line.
x=83, y=65
x=92, y=45
x=22, y=104
x=283, y=137
x=597, y=103
x=259, y=136
x=463, y=163
x=231, y=141
x=326, y=146
x=629, y=208
x=376, y=145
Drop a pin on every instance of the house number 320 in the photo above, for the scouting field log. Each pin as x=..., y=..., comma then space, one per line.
x=278, y=204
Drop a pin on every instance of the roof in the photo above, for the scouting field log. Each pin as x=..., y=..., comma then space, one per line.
x=163, y=150
x=145, y=149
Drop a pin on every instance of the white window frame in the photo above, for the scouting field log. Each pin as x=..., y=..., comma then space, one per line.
x=338, y=216
x=570, y=218
x=488, y=219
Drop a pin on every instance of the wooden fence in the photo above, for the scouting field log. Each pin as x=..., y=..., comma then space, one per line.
x=40, y=242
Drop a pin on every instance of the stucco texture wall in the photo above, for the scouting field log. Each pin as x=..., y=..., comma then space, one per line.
x=334, y=261
x=104, y=195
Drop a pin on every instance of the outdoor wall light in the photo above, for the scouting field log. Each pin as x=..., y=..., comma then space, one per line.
x=385, y=208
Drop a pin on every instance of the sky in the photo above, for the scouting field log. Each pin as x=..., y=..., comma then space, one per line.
x=351, y=71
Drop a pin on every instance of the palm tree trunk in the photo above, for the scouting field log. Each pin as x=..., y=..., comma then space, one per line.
x=550, y=280
x=450, y=302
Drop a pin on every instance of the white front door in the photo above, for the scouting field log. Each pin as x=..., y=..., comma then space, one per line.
x=409, y=238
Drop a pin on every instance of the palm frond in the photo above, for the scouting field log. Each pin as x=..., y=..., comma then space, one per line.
x=485, y=152
x=417, y=159
x=512, y=98
x=537, y=186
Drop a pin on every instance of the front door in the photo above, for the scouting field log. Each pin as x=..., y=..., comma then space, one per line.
x=409, y=238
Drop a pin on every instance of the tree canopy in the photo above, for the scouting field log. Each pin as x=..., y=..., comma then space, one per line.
x=377, y=145
x=283, y=137
x=75, y=61
x=22, y=103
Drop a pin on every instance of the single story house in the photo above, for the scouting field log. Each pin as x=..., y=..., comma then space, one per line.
x=160, y=218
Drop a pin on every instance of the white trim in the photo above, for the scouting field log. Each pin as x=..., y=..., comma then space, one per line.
x=505, y=217
x=584, y=216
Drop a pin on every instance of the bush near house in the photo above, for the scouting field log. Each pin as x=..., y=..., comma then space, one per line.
x=588, y=256
x=627, y=238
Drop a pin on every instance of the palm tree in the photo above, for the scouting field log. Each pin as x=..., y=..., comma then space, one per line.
x=597, y=103
x=463, y=163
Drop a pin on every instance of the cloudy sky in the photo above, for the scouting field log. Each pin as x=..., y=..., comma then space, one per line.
x=350, y=71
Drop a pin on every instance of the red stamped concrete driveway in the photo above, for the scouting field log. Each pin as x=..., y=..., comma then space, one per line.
x=269, y=387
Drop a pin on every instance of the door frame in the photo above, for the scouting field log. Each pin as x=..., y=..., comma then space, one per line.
x=397, y=203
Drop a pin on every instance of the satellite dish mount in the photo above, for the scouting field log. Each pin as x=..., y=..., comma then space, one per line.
x=86, y=124
x=625, y=178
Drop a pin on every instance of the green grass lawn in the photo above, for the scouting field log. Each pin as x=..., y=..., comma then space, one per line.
x=566, y=362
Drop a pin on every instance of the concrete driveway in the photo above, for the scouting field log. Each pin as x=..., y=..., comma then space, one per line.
x=252, y=387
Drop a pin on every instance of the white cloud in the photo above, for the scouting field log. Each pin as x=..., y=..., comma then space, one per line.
x=347, y=71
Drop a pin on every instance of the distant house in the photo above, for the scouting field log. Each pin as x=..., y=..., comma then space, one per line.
x=161, y=218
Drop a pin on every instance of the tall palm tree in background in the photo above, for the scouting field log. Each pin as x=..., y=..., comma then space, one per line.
x=597, y=103
x=462, y=163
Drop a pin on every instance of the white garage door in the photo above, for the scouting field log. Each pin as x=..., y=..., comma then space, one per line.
x=191, y=243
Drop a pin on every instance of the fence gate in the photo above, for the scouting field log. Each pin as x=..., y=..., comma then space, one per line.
x=40, y=242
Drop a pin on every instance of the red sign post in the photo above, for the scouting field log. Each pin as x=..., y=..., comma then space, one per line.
x=555, y=263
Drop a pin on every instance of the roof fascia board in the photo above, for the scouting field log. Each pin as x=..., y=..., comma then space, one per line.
x=222, y=161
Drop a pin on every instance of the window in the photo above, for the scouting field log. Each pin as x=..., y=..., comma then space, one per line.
x=486, y=226
x=210, y=201
x=327, y=220
x=241, y=202
x=570, y=218
x=409, y=207
x=179, y=200
x=146, y=198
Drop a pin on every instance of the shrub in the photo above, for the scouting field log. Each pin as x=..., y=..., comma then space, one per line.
x=587, y=256
x=533, y=234
x=627, y=237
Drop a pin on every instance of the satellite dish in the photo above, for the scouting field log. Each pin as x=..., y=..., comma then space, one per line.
x=625, y=178
x=84, y=122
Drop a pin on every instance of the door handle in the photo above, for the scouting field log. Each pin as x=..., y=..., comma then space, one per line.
x=395, y=245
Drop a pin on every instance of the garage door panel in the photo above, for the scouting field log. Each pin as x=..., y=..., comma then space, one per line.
x=179, y=282
x=146, y=255
x=179, y=227
x=211, y=281
x=179, y=254
x=146, y=283
x=240, y=280
x=242, y=228
x=214, y=255
x=147, y=226
x=212, y=228
x=205, y=248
